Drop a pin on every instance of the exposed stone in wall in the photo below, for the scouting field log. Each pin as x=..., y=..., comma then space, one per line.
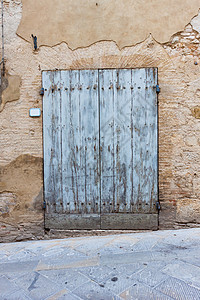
x=178, y=66
x=185, y=48
x=7, y=202
x=196, y=112
x=188, y=211
x=82, y=23
x=185, y=43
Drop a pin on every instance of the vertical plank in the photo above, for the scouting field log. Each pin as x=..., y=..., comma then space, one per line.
x=115, y=132
x=107, y=81
x=67, y=134
x=70, y=111
x=145, y=139
x=128, y=137
x=80, y=142
x=89, y=139
x=52, y=141
x=47, y=79
x=122, y=126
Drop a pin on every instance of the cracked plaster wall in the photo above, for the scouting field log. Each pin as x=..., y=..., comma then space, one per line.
x=178, y=62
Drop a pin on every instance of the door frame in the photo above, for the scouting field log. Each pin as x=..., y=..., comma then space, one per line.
x=91, y=221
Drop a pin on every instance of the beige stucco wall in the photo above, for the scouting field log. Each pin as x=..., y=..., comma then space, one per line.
x=82, y=23
x=178, y=63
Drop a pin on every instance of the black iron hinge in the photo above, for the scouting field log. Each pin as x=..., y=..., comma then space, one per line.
x=44, y=204
x=158, y=206
x=42, y=91
x=157, y=89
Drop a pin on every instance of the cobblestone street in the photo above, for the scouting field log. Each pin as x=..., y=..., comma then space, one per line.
x=147, y=265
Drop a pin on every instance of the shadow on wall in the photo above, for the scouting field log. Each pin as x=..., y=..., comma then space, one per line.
x=9, y=89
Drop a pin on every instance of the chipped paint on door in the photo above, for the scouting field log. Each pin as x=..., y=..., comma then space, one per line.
x=100, y=149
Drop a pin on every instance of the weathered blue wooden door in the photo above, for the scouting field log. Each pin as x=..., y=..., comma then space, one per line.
x=100, y=149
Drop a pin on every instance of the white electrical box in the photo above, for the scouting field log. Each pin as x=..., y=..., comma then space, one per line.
x=34, y=112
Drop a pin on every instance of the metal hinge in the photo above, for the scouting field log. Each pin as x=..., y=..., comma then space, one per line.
x=44, y=204
x=42, y=91
x=157, y=89
x=158, y=206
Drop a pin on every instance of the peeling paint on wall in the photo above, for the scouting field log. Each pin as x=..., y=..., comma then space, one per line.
x=25, y=168
x=196, y=23
x=82, y=23
x=9, y=90
x=20, y=194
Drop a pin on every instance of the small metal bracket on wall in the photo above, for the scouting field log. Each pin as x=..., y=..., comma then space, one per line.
x=34, y=41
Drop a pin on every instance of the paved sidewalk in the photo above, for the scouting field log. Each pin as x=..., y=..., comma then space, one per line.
x=150, y=265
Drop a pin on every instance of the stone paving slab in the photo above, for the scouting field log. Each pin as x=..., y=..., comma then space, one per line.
x=19, y=295
x=93, y=291
x=17, y=267
x=129, y=269
x=160, y=265
x=66, y=277
x=178, y=289
x=66, y=262
x=151, y=276
x=37, y=286
x=7, y=285
x=142, y=292
x=99, y=274
x=184, y=271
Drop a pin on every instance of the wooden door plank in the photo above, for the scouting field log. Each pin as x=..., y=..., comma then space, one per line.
x=52, y=142
x=80, y=142
x=47, y=78
x=127, y=221
x=69, y=203
x=145, y=139
x=116, y=137
x=107, y=80
x=72, y=221
x=67, y=133
x=128, y=136
x=123, y=140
